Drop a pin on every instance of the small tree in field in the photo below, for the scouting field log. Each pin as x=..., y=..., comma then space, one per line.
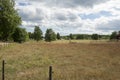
x=37, y=33
x=50, y=35
x=58, y=36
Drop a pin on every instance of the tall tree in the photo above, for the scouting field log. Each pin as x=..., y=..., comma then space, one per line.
x=9, y=19
x=37, y=33
x=58, y=36
x=50, y=35
x=71, y=36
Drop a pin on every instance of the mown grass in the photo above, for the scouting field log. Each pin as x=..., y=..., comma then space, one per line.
x=70, y=61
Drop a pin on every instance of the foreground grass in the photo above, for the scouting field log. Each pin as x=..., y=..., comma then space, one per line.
x=70, y=61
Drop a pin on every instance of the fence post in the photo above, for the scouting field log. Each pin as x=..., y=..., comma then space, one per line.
x=50, y=73
x=3, y=70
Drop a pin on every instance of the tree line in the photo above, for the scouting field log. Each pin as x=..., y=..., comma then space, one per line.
x=50, y=35
x=86, y=36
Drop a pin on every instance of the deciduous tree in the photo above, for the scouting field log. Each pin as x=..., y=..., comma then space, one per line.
x=50, y=35
x=9, y=19
x=95, y=36
x=71, y=36
x=37, y=33
x=20, y=35
x=113, y=35
x=58, y=36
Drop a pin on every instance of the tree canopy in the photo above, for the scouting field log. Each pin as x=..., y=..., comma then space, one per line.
x=9, y=19
x=71, y=36
x=58, y=36
x=50, y=35
x=20, y=35
x=95, y=36
x=113, y=35
x=37, y=33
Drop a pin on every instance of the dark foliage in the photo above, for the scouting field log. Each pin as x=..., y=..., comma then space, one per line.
x=19, y=35
x=50, y=35
x=37, y=35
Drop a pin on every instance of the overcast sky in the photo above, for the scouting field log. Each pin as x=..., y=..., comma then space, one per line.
x=70, y=16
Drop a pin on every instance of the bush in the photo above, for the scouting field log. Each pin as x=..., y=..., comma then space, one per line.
x=95, y=36
x=20, y=35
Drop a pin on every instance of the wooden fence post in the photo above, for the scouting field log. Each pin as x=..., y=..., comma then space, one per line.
x=50, y=73
x=3, y=70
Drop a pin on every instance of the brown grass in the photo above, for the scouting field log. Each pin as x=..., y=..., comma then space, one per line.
x=70, y=61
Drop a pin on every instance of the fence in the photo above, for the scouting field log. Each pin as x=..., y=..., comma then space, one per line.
x=3, y=71
x=4, y=44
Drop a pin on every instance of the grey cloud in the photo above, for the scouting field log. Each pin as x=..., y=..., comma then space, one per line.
x=88, y=3
x=71, y=25
x=70, y=3
x=60, y=16
x=32, y=16
x=72, y=16
x=111, y=25
x=67, y=16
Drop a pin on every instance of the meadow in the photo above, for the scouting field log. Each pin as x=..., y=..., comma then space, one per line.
x=71, y=60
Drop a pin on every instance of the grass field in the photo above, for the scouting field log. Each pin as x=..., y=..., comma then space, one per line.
x=81, y=60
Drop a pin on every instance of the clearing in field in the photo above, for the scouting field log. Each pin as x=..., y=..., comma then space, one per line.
x=70, y=61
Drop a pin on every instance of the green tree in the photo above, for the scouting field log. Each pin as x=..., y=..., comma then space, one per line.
x=50, y=35
x=95, y=36
x=31, y=35
x=80, y=36
x=113, y=35
x=118, y=32
x=20, y=35
x=58, y=36
x=0, y=37
x=37, y=33
x=9, y=19
x=71, y=36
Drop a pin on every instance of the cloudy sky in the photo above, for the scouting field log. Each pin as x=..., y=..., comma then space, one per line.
x=70, y=16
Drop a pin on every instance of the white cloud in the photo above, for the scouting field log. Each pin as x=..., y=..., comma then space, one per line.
x=64, y=15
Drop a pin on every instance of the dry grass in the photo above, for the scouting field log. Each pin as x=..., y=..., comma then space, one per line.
x=70, y=61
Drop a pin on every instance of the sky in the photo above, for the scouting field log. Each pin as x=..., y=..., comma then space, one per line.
x=70, y=16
